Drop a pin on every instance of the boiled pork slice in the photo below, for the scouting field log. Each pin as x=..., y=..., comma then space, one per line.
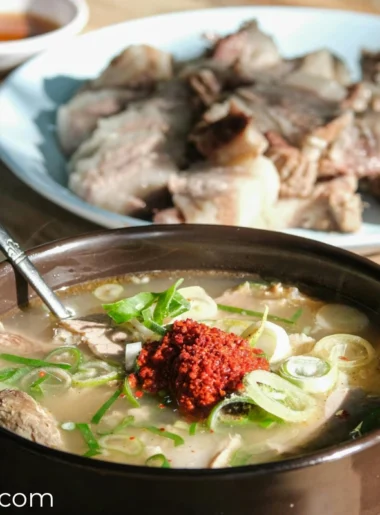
x=17, y=344
x=125, y=165
x=77, y=119
x=370, y=65
x=238, y=195
x=22, y=415
x=333, y=206
x=136, y=66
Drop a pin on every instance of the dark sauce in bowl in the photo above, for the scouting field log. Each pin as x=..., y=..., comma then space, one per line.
x=16, y=26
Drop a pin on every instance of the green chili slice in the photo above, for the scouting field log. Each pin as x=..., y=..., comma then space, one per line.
x=73, y=353
x=105, y=407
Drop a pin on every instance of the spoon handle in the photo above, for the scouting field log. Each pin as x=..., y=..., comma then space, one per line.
x=22, y=263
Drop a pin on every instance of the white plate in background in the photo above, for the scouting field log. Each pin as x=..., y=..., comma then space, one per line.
x=30, y=96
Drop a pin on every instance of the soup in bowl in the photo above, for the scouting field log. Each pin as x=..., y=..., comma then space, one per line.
x=192, y=349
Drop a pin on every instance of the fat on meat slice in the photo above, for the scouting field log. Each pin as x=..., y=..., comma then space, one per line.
x=136, y=66
x=333, y=206
x=22, y=415
x=238, y=195
x=77, y=119
x=104, y=340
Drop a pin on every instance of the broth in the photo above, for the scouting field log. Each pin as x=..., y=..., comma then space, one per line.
x=14, y=26
x=242, y=433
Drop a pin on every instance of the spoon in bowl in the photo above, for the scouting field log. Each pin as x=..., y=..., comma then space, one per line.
x=26, y=268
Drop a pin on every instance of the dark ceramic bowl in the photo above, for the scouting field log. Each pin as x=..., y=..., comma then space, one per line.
x=343, y=480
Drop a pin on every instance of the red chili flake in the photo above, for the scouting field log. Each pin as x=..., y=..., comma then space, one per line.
x=42, y=374
x=343, y=358
x=132, y=437
x=139, y=394
x=161, y=406
x=162, y=429
x=122, y=395
x=212, y=431
x=132, y=380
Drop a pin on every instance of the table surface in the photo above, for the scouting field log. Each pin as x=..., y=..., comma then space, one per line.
x=34, y=220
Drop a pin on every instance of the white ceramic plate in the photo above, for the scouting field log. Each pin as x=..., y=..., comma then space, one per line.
x=30, y=96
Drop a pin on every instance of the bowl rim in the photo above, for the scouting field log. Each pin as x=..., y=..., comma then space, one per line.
x=326, y=455
x=34, y=43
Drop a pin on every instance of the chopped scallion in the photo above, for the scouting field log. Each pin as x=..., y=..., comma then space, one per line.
x=158, y=460
x=178, y=440
x=32, y=362
x=162, y=309
x=89, y=438
x=248, y=312
x=127, y=391
x=193, y=428
x=105, y=407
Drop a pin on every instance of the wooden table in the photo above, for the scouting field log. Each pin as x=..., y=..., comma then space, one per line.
x=34, y=220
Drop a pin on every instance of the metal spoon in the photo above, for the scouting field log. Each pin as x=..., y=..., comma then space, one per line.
x=22, y=263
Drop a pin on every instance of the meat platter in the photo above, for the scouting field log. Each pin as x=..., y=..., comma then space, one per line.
x=239, y=119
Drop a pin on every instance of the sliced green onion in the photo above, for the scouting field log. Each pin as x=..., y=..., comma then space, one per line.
x=122, y=443
x=201, y=305
x=370, y=422
x=158, y=460
x=273, y=340
x=105, y=407
x=7, y=373
x=262, y=418
x=127, y=421
x=127, y=391
x=310, y=373
x=89, y=438
x=178, y=440
x=213, y=417
x=193, y=428
x=68, y=355
x=32, y=362
x=151, y=324
x=108, y=292
x=249, y=312
x=279, y=397
x=95, y=373
x=253, y=332
x=178, y=305
x=346, y=350
x=132, y=307
x=294, y=318
x=18, y=375
x=68, y=426
x=162, y=309
x=56, y=379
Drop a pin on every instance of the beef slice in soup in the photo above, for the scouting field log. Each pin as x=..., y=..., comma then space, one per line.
x=22, y=415
x=104, y=340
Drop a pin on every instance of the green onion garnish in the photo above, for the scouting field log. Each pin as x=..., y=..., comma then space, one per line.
x=130, y=308
x=151, y=324
x=89, y=438
x=296, y=315
x=193, y=428
x=66, y=355
x=32, y=362
x=127, y=421
x=178, y=440
x=105, y=407
x=127, y=391
x=158, y=460
x=7, y=373
x=248, y=312
x=162, y=309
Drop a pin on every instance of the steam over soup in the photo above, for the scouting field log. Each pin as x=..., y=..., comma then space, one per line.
x=210, y=371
